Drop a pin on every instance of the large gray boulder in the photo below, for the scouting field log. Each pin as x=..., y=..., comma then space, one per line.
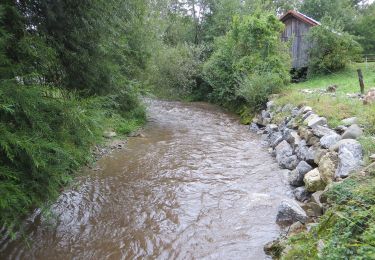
x=305, y=153
x=321, y=131
x=289, y=212
x=315, y=120
x=353, y=132
x=296, y=176
x=328, y=140
x=285, y=157
x=275, y=138
x=350, y=157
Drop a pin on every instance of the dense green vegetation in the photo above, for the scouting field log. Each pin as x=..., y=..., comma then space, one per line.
x=249, y=63
x=65, y=77
x=333, y=49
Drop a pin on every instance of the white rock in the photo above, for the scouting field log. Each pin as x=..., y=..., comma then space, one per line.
x=350, y=121
x=109, y=134
x=350, y=157
x=328, y=140
x=317, y=121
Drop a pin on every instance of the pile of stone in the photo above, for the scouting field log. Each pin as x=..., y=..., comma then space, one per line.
x=315, y=154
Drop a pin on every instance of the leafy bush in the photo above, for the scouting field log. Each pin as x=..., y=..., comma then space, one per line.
x=176, y=70
x=249, y=63
x=332, y=49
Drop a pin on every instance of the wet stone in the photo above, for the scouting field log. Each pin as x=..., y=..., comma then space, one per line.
x=289, y=212
x=301, y=194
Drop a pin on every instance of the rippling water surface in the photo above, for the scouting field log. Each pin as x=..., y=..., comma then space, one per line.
x=198, y=185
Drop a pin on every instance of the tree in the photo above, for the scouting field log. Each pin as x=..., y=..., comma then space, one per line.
x=343, y=11
x=249, y=62
x=332, y=48
x=364, y=28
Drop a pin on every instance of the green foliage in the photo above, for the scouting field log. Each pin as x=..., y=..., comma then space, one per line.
x=46, y=135
x=175, y=71
x=47, y=47
x=343, y=11
x=249, y=63
x=347, y=229
x=364, y=28
x=332, y=49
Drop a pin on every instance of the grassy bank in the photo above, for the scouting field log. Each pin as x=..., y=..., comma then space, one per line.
x=47, y=134
x=346, y=80
x=338, y=107
x=346, y=231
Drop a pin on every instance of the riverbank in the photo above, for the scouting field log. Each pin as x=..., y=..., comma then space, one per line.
x=326, y=139
x=47, y=135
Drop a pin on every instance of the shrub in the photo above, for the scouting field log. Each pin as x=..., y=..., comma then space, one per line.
x=175, y=71
x=332, y=49
x=249, y=63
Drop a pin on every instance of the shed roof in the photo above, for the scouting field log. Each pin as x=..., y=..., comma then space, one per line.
x=300, y=16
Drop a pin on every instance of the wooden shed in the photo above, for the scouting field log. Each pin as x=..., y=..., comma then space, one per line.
x=297, y=25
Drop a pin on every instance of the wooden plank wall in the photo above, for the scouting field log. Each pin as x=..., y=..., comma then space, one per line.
x=297, y=31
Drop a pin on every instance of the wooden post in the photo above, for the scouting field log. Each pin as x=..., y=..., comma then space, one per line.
x=361, y=84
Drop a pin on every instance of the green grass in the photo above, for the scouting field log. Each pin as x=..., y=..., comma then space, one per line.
x=347, y=230
x=346, y=80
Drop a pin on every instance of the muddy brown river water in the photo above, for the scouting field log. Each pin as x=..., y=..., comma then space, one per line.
x=197, y=185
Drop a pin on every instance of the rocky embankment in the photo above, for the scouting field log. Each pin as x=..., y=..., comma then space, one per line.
x=315, y=155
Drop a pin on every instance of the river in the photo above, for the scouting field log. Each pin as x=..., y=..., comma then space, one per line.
x=197, y=185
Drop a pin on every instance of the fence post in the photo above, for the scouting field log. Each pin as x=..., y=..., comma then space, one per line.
x=361, y=83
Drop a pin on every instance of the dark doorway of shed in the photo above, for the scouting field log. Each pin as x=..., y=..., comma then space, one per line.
x=298, y=74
